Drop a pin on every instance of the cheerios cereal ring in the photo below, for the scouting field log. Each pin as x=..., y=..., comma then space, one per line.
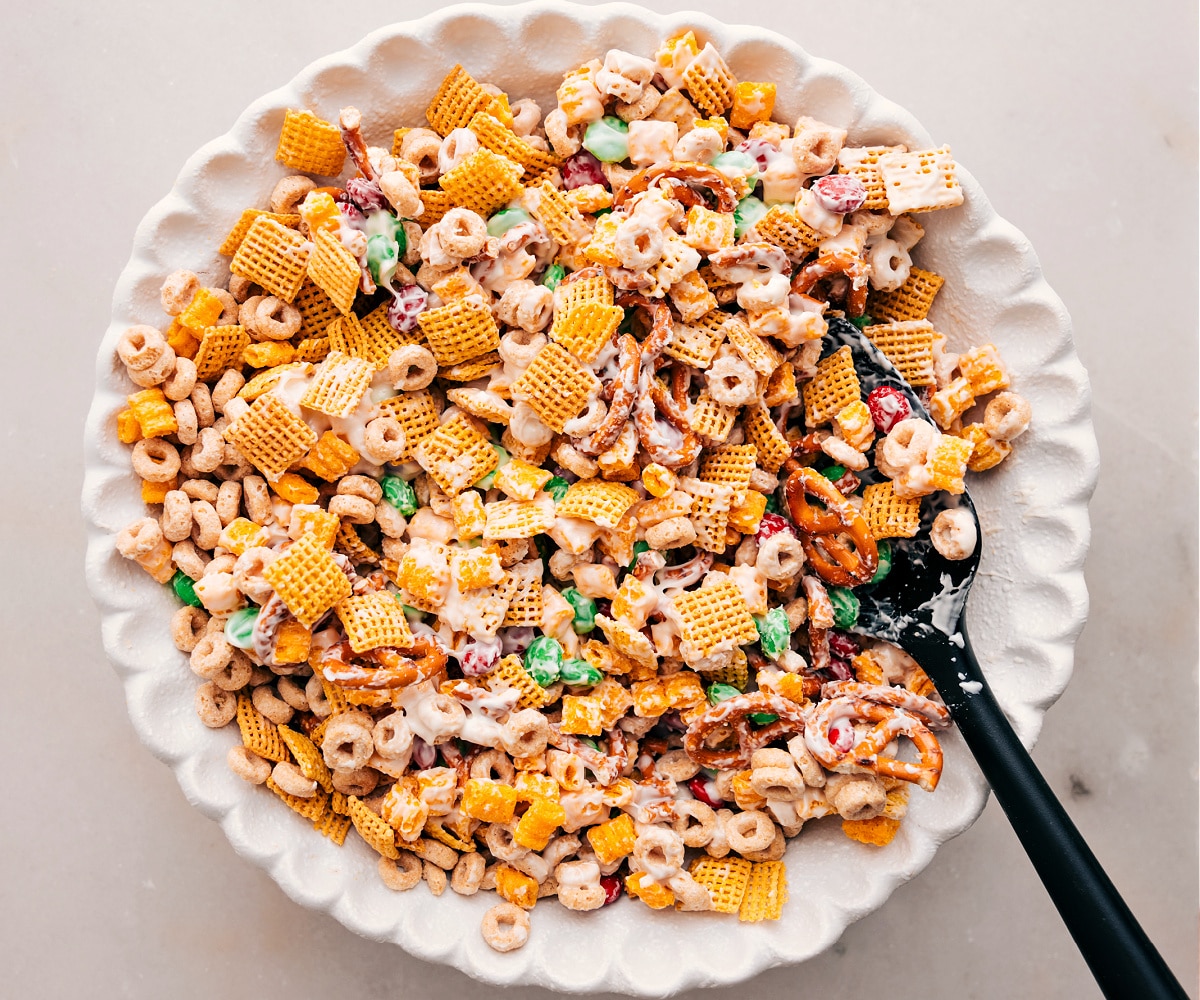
x=139, y=538
x=155, y=460
x=187, y=626
x=178, y=290
x=505, y=927
x=210, y=655
x=291, y=780
x=209, y=450
x=401, y=874
x=289, y=192
x=275, y=319
x=270, y=705
x=216, y=708
x=230, y=311
x=176, y=516
x=700, y=832
x=247, y=765
x=1007, y=416
x=141, y=347
x=750, y=830
x=206, y=525
x=468, y=873
x=383, y=440
x=411, y=367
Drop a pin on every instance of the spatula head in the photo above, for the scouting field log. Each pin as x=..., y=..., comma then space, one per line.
x=924, y=592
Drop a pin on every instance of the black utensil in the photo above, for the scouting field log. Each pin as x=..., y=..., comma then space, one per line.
x=919, y=606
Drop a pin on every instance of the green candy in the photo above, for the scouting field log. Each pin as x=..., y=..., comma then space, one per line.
x=763, y=718
x=557, y=487
x=845, y=607
x=607, y=139
x=588, y=741
x=239, y=627
x=721, y=692
x=638, y=549
x=861, y=321
x=383, y=254
x=554, y=274
x=885, y=560
x=579, y=673
x=736, y=162
x=185, y=589
x=487, y=481
x=748, y=211
x=400, y=494
x=544, y=660
x=834, y=473
x=585, y=611
x=773, y=504
x=774, y=633
x=504, y=220
x=413, y=614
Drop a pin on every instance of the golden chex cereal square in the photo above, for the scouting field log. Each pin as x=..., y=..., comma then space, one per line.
x=920, y=181
x=334, y=269
x=766, y=892
x=709, y=81
x=890, y=516
x=415, y=412
x=469, y=371
x=761, y=431
x=759, y=354
x=374, y=829
x=307, y=579
x=629, y=641
x=596, y=500
x=580, y=287
x=724, y=878
x=309, y=144
x=729, y=464
x=712, y=420
x=234, y=240
x=510, y=673
x=789, y=232
x=911, y=301
x=313, y=807
x=833, y=387
x=457, y=101
x=550, y=207
x=527, y=604
x=259, y=734
x=374, y=620
x=495, y=136
x=984, y=369
x=312, y=349
x=460, y=331
x=556, y=386
x=270, y=436
x=273, y=256
x=714, y=615
x=339, y=386
x=483, y=182
x=221, y=347
x=317, y=311
x=677, y=260
x=518, y=518
x=308, y=757
x=697, y=343
x=586, y=328
x=350, y=543
x=863, y=163
x=711, y=504
x=908, y=346
x=456, y=455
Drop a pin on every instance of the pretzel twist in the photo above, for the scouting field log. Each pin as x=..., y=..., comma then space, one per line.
x=867, y=754
x=732, y=717
x=385, y=668
x=824, y=532
x=847, y=266
x=691, y=174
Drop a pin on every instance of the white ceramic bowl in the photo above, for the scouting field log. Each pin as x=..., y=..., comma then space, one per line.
x=1028, y=605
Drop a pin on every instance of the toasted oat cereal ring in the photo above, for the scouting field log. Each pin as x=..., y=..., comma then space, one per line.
x=155, y=460
x=247, y=765
x=1007, y=416
x=384, y=440
x=206, y=524
x=290, y=780
x=187, y=627
x=275, y=319
x=411, y=367
x=505, y=927
x=289, y=192
x=176, y=516
x=210, y=656
x=699, y=832
x=347, y=743
x=750, y=830
x=182, y=380
x=216, y=708
x=177, y=291
x=142, y=347
x=140, y=538
x=401, y=873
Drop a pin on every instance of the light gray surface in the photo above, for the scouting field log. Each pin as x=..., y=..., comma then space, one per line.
x=1079, y=124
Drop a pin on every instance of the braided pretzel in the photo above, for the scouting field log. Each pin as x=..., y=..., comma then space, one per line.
x=624, y=396
x=385, y=668
x=733, y=716
x=823, y=531
x=820, y=621
x=607, y=767
x=848, y=266
x=674, y=445
x=692, y=174
x=867, y=754
x=936, y=716
x=350, y=125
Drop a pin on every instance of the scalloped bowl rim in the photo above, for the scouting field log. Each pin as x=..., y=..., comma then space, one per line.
x=841, y=881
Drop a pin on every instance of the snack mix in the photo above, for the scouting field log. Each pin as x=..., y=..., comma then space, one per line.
x=515, y=515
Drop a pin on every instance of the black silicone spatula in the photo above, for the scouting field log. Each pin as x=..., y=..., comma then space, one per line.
x=920, y=607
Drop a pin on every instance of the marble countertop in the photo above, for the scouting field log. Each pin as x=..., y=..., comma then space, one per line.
x=1080, y=125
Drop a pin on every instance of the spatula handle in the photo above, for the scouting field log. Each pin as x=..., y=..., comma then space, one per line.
x=1116, y=949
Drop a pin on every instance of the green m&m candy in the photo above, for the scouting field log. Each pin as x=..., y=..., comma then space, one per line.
x=239, y=627
x=773, y=504
x=400, y=494
x=762, y=718
x=579, y=673
x=185, y=589
x=557, y=487
x=585, y=610
x=884, y=547
x=845, y=607
x=774, y=633
x=721, y=692
x=383, y=254
x=862, y=321
x=607, y=139
x=554, y=274
x=504, y=220
x=638, y=548
x=834, y=472
x=748, y=211
x=544, y=659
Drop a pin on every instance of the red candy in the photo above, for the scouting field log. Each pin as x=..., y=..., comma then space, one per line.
x=841, y=738
x=760, y=150
x=771, y=524
x=842, y=645
x=480, y=658
x=840, y=193
x=365, y=194
x=582, y=169
x=840, y=669
x=611, y=885
x=888, y=406
x=409, y=302
x=705, y=789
